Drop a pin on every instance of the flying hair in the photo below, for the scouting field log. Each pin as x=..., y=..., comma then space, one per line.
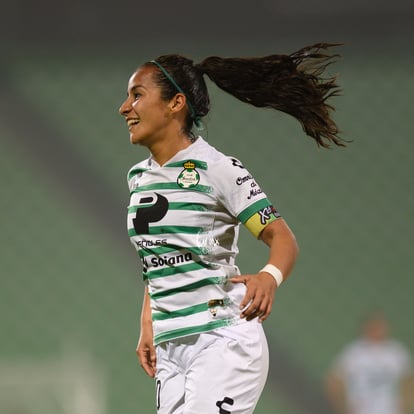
x=293, y=84
x=296, y=84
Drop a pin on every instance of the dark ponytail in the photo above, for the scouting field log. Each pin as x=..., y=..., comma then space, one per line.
x=293, y=84
x=289, y=83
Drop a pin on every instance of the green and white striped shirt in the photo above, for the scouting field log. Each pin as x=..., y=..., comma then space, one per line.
x=183, y=219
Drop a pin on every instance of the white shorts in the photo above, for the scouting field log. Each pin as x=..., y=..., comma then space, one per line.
x=218, y=372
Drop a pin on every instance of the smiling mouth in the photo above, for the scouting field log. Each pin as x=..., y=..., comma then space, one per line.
x=132, y=122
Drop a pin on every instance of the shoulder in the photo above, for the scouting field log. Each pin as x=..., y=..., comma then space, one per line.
x=399, y=348
x=353, y=350
x=224, y=165
x=219, y=164
x=207, y=151
x=140, y=166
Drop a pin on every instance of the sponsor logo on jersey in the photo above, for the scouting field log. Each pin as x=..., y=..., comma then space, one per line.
x=237, y=163
x=189, y=176
x=154, y=207
x=227, y=401
x=150, y=243
x=254, y=192
x=159, y=261
x=267, y=213
x=244, y=179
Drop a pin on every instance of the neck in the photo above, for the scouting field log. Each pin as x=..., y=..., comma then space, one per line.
x=167, y=148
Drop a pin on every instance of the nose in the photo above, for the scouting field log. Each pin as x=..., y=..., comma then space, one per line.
x=125, y=107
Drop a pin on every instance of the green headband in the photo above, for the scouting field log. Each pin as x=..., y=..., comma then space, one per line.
x=196, y=118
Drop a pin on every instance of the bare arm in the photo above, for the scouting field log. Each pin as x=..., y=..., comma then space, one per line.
x=261, y=287
x=335, y=392
x=283, y=247
x=145, y=349
x=407, y=395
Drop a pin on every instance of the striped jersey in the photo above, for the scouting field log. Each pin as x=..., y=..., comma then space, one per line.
x=183, y=220
x=373, y=374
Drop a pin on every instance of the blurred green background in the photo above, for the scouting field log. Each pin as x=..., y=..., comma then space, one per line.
x=71, y=293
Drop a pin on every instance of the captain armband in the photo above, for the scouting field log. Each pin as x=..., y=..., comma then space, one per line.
x=259, y=220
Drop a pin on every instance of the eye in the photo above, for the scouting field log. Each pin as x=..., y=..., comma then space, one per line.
x=136, y=96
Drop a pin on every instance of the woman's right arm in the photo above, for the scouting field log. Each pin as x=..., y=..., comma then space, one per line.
x=145, y=348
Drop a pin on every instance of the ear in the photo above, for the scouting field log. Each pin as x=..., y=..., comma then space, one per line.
x=178, y=102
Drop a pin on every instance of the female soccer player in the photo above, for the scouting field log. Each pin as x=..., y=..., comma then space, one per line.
x=201, y=335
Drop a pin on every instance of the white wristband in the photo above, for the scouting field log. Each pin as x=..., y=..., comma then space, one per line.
x=275, y=272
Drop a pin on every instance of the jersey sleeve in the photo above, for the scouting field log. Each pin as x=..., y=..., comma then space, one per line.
x=242, y=196
x=405, y=361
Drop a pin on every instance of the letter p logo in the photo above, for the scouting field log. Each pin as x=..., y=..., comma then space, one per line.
x=151, y=208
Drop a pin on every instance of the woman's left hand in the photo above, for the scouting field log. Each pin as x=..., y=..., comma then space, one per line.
x=259, y=296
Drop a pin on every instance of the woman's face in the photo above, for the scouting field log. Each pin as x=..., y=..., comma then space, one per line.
x=146, y=114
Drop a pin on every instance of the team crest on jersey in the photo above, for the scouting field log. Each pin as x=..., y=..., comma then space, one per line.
x=189, y=176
